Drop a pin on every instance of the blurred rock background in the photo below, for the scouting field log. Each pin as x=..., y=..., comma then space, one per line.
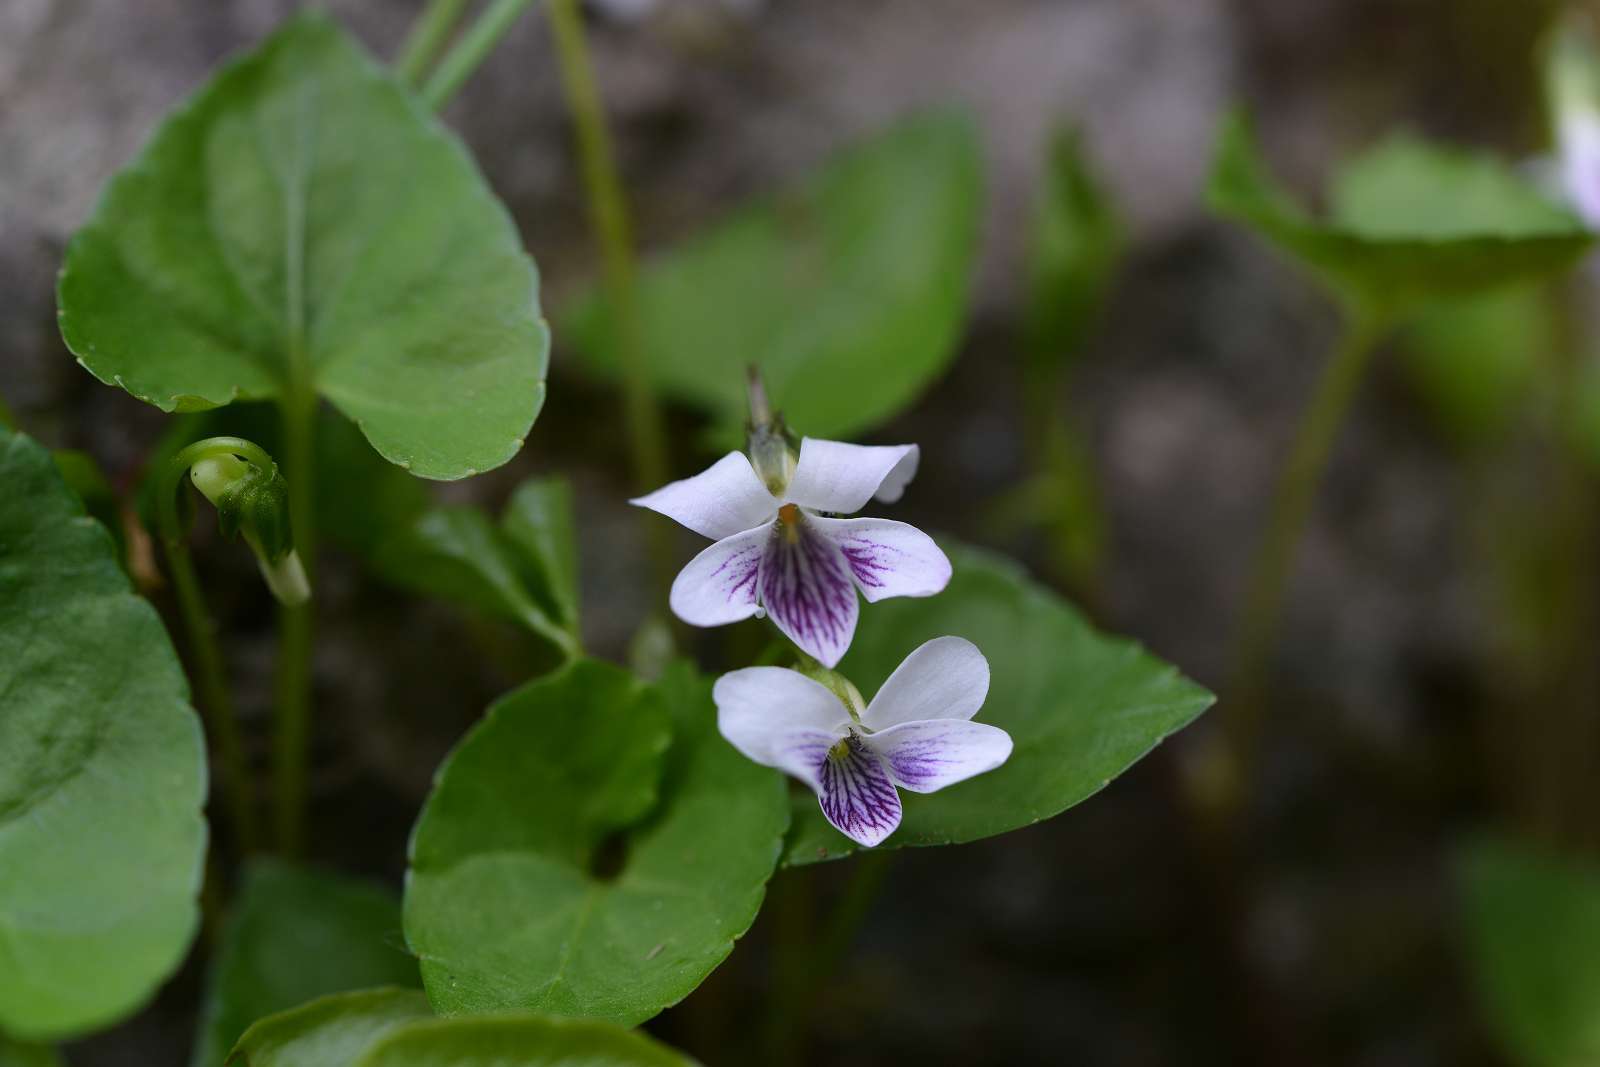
x=1093, y=939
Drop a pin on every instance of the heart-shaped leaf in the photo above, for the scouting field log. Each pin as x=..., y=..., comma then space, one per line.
x=849, y=292
x=304, y=223
x=1080, y=707
x=569, y=862
x=390, y=1028
x=1533, y=927
x=1410, y=222
x=293, y=935
x=102, y=769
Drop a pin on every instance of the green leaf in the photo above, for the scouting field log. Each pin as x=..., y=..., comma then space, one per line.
x=1533, y=928
x=14, y=1054
x=295, y=934
x=392, y=1028
x=1075, y=244
x=539, y=522
x=514, y=1042
x=102, y=770
x=523, y=896
x=523, y=571
x=1473, y=360
x=849, y=292
x=1080, y=707
x=1410, y=223
x=303, y=210
x=329, y=1032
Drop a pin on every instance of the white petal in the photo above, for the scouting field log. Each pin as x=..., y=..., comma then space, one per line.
x=947, y=678
x=1580, y=164
x=841, y=478
x=856, y=794
x=720, y=585
x=888, y=558
x=807, y=591
x=718, y=502
x=779, y=718
x=929, y=755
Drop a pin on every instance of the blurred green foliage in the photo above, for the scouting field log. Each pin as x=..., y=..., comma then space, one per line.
x=849, y=291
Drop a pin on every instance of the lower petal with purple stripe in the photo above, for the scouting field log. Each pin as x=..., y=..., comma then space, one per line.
x=856, y=794
x=807, y=590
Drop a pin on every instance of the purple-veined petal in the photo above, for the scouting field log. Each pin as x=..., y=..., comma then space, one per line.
x=856, y=794
x=806, y=588
x=888, y=558
x=779, y=718
x=841, y=478
x=718, y=502
x=946, y=678
x=929, y=755
x=721, y=584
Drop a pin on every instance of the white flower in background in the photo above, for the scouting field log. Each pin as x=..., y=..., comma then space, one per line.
x=1572, y=81
x=916, y=734
x=778, y=552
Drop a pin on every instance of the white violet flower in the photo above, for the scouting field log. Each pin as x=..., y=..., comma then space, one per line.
x=916, y=734
x=1572, y=76
x=777, y=550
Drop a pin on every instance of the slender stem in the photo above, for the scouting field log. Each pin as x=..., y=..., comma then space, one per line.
x=1243, y=705
x=295, y=631
x=428, y=35
x=7, y=418
x=216, y=703
x=608, y=213
x=470, y=51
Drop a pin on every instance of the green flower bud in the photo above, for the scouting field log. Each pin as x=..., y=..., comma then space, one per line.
x=254, y=503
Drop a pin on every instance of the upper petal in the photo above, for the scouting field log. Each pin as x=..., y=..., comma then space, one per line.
x=889, y=558
x=856, y=794
x=718, y=502
x=946, y=678
x=779, y=718
x=931, y=754
x=807, y=591
x=720, y=585
x=831, y=476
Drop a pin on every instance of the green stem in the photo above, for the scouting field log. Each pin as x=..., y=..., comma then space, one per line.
x=295, y=631
x=608, y=213
x=428, y=35
x=7, y=418
x=1243, y=706
x=470, y=51
x=216, y=703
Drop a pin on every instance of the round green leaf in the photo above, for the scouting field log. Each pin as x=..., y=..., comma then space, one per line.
x=1080, y=707
x=1410, y=224
x=102, y=769
x=849, y=292
x=522, y=896
x=302, y=207
x=295, y=934
x=331, y=1032
x=1533, y=927
x=514, y=1042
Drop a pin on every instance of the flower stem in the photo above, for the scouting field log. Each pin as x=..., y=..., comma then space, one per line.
x=470, y=51
x=428, y=34
x=216, y=703
x=608, y=213
x=1243, y=706
x=295, y=629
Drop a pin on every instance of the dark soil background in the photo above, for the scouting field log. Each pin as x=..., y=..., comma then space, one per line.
x=1097, y=938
